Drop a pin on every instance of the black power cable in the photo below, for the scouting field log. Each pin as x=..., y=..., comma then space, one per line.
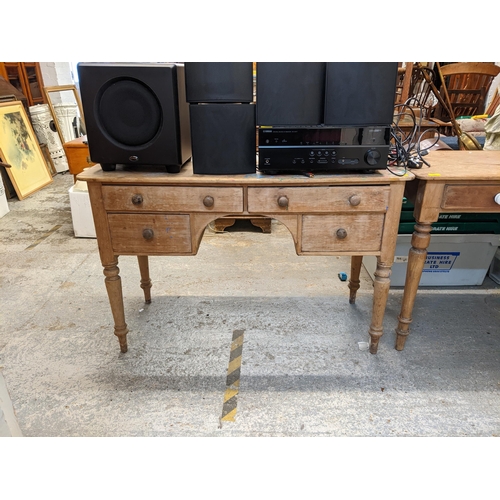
x=405, y=149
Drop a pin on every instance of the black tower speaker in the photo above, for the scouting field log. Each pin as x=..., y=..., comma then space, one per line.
x=223, y=138
x=290, y=93
x=136, y=114
x=360, y=93
x=219, y=82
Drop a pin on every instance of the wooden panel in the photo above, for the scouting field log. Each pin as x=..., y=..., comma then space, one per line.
x=471, y=197
x=171, y=234
x=364, y=233
x=318, y=199
x=173, y=199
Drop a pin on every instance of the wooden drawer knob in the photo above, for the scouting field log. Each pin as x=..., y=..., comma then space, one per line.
x=283, y=201
x=355, y=200
x=497, y=198
x=208, y=201
x=148, y=234
x=341, y=233
x=137, y=199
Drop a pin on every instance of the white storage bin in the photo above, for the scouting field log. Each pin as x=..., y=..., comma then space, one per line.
x=4, y=206
x=494, y=272
x=452, y=259
x=81, y=212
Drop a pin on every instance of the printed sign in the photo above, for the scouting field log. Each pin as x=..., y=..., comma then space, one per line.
x=436, y=262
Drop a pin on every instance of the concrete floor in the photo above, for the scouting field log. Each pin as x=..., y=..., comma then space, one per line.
x=303, y=369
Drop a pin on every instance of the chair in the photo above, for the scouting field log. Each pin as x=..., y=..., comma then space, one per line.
x=413, y=90
x=467, y=85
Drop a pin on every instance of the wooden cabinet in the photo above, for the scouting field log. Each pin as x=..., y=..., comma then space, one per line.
x=78, y=155
x=25, y=77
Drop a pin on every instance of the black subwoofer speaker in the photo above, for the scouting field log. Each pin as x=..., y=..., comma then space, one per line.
x=290, y=93
x=360, y=93
x=219, y=82
x=224, y=138
x=136, y=114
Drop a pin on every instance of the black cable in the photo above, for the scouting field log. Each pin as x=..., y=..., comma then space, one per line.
x=405, y=147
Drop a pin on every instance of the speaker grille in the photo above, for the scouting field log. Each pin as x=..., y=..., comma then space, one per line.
x=129, y=112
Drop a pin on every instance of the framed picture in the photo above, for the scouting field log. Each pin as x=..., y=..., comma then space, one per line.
x=19, y=148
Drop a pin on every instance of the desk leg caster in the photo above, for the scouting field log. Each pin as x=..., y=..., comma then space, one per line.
x=374, y=343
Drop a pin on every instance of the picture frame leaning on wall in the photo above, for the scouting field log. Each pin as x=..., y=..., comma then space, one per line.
x=19, y=148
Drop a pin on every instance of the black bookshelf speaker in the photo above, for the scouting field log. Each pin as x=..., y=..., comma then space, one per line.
x=136, y=114
x=360, y=93
x=223, y=138
x=219, y=82
x=290, y=93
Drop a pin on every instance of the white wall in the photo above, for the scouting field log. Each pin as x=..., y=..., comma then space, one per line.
x=56, y=73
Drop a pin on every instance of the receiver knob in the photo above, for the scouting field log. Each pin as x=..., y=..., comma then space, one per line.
x=372, y=157
x=497, y=198
x=283, y=201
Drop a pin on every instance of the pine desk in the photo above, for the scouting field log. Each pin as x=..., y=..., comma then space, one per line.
x=148, y=212
x=457, y=181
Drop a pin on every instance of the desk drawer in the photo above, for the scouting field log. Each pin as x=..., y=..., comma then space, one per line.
x=318, y=199
x=172, y=199
x=478, y=197
x=342, y=233
x=150, y=234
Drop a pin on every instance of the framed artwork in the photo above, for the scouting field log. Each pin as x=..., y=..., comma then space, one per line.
x=19, y=148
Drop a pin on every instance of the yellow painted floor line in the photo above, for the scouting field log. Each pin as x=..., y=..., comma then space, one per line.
x=233, y=378
x=39, y=240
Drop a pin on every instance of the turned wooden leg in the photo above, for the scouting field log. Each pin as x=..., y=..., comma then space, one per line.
x=381, y=287
x=114, y=287
x=356, y=261
x=145, y=280
x=416, y=259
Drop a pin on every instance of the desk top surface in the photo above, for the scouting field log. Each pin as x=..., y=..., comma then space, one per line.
x=159, y=175
x=460, y=166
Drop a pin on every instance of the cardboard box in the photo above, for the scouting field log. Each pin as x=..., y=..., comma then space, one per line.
x=81, y=212
x=452, y=259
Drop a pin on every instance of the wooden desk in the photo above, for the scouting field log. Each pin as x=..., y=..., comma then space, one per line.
x=150, y=212
x=457, y=181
